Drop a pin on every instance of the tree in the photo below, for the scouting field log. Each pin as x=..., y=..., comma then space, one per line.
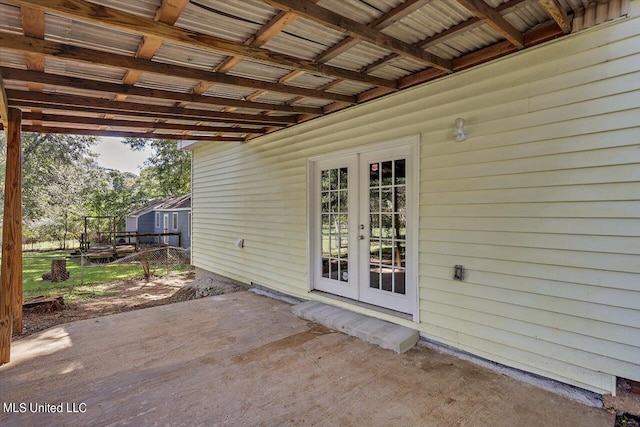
x=167, y=172
x=55, y=169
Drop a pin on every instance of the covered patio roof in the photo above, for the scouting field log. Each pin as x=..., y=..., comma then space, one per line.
x=232, y=70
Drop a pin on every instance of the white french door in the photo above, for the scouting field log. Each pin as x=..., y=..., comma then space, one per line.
x=165, y=225
x=364, y=226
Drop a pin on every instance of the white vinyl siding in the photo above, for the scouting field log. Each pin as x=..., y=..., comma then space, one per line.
x=540, y=204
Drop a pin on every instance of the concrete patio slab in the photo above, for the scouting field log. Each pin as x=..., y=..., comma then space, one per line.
x=244, y=359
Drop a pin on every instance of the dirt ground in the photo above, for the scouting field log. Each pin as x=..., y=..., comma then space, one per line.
x=122, y=295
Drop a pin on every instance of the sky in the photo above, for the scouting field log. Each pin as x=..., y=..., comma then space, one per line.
x=113, y=154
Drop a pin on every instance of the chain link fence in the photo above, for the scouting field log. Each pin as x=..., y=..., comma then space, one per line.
x=153, y=261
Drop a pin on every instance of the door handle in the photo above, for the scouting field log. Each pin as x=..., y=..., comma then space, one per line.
x=361, y=237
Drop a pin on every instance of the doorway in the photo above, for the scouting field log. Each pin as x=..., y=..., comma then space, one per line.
x=364, y=225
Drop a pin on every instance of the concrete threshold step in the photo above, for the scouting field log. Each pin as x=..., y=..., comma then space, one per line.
x=385, y=334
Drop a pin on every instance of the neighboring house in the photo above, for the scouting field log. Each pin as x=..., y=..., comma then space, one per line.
x=373, y=206
x=163, y=216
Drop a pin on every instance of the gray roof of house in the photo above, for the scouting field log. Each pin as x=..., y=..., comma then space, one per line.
x=180, y=202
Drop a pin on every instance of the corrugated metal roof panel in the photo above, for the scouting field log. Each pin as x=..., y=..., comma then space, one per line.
x=293, y=45
x=248, y=10
x=312, y=102
x=310, y=81
x=175, y=84
x=255, y=70
x=146, y=8
x=15, y=85
x=10, y=58
x=274, y=98
x=172, y=53
x=77, y=92
x=10, y=18
x=529, y=14
x=431, y=19
x=232, y=92
x=83, y=70
x=469, y=41
x=358, y=56
x=391, y=71
x=305, y=29
x=151, y=101
x=350, y=88
x=209, y=20
x=91, y=36
x=360, y=11
x=205, y=107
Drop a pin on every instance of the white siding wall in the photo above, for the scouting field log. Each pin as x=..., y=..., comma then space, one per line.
x=540, y=205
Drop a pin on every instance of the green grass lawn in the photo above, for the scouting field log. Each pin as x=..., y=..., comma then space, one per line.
x=83, y=281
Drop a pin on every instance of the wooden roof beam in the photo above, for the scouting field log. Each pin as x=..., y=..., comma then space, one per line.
x=43, y=100
x=4, y=104
x=493, y=18
x=137, y=115
x=74, y=53
x=557, y=13
x=359, y=31
x=74, y=82
x=125, y=134
x=84, y=11
x=33, y=26
x=82, y=120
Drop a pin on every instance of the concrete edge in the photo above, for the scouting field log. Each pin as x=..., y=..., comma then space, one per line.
x=270, y=293
x=576, y=394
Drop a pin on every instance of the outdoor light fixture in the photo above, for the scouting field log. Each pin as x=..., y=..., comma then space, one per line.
x=459, y=133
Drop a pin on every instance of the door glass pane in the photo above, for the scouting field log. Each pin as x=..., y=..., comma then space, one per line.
x=400, y=176
x=398, y=281
x=386, y=201
x=374, y=225
x=334, y=224
x=374, y=276
x=374, y=174
x=387, y=173
x=387, y=225
x=387, y=252
x=374, y=200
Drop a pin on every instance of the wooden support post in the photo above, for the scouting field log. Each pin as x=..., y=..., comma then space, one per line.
x=11, y=264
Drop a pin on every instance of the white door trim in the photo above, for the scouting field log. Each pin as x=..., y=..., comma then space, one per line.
x=413, y=142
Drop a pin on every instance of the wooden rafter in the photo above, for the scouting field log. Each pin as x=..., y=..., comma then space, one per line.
x=360, y=31
x=20, y=98
x=33, y=26
x=74, y=82
x=89, y=56
x=493, y=18
x=111, y=18
x=4, y=104
x=135, y=124
x=128, y=134
x=557, y=12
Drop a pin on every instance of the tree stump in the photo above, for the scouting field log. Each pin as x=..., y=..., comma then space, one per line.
x=42, y=304
x=59, y=272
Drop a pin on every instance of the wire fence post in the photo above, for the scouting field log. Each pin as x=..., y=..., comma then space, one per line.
x=81, y=268
x=167, y=258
